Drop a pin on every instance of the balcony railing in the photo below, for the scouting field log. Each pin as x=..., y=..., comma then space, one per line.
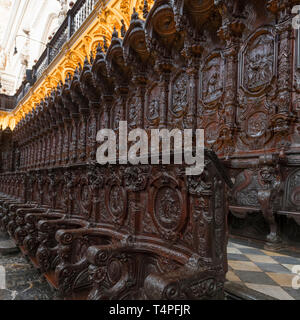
x=24, y=88
x=75, y=18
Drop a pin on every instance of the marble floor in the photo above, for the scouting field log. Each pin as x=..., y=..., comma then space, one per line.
x=19, y=280
x=263, y=271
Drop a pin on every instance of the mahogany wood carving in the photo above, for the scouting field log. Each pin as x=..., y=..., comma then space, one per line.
x=226, y=66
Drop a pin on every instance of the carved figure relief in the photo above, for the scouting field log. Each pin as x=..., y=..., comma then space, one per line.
x=211, y=79
x=292, y=192
x=85, y=200
x=117, y=203
x=116, y=116
x=211, y=133
x=133, y=112
x=258, y=64
x=167, y=207
x=179, y=95
x=152, y=107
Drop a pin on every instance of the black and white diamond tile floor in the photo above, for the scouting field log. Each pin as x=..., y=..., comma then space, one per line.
x=264, y=271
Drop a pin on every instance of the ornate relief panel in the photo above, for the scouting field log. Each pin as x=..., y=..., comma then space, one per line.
x=91, y=136
x=296, y=80
x=211, y=132
x=84, y=198
x=178, y=99
x=257, y=124
x=212, y=79
x=116, y=200
x=292, y=191
x=152, y=115
x=133, y=110
x=61, y=200
x=245, y=191
x=257, y=89
x=258, y=62
x=211, y=88
x=115, y=116
x=167, y=204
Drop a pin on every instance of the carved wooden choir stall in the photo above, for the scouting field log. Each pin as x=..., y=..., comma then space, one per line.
x=146, y=231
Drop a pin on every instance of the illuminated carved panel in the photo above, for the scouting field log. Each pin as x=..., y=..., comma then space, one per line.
x=75, y=52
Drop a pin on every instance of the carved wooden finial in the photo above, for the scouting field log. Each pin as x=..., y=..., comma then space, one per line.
x=134, y=15
x=69, y=77
x=115, y=33
x=123, y=29
x=91, y=57
x=99, y=48
x=105, y=43
x=86, y=61
x=145, y=9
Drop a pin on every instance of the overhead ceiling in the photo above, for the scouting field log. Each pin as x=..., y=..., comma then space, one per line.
x=5, y=12
x=24, y=24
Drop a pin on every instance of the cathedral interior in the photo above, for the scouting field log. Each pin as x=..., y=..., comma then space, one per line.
x=73, y=229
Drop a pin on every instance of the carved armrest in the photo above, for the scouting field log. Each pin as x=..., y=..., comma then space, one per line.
x=5, y=206
x=189, y=281
x=10, y=202
x=99, y=255
x=48, y=228
x=29, y=232
x=102, y=259
x=68, y=239
x=6, y=215
x=1, y=207
x=184, y=284
x=14, y=207
x=47, y=253
x=32, y=219
x=23, y=223
x=22, y=212
x=59, y=224
x=30, y=210
x=3, y=201
x=72, y=272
